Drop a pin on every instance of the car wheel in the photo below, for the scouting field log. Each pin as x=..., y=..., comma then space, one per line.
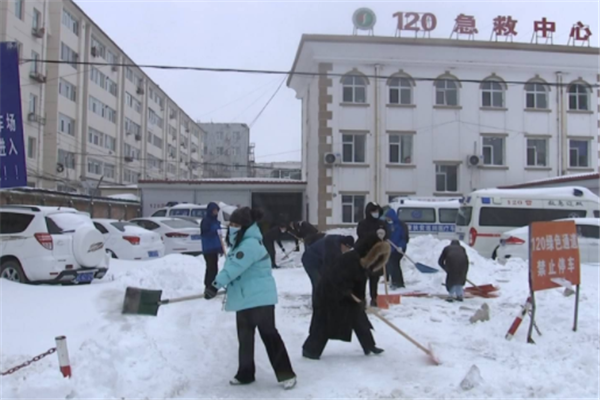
x=11, y=270
x=112, y=254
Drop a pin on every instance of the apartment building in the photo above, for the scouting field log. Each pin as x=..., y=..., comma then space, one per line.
x=391, y=116
x=228, y=152
x=86, y=125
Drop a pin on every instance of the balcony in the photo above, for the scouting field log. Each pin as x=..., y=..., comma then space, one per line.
x=38, y=32
x=33, y=117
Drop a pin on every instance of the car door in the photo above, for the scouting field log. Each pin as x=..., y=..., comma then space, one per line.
x=589, y=243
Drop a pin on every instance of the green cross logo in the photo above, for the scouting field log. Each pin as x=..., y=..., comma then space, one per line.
x=364, y=19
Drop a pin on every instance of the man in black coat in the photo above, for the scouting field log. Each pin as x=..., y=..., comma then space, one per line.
x=271, y=237
x=323, y=254
x=455, y=262
x=372, y=224
x=336, y=313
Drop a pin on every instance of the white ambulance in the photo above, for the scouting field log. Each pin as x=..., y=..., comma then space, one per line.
x=427, y=217
x=485, y=214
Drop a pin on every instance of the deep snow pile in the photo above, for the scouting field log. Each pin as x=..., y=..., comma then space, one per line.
x=190, y=349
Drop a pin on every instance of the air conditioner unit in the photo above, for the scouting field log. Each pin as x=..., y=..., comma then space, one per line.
x=60, y=167
x=474, y=160
x=140, y=90
x=332, y=158
x=114, y=68
x=37, y=76
x=138, y=137
x=38, y=32
x=128, y=159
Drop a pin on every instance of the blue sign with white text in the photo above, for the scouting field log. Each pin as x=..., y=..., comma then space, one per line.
x=431, y=227
x=13, y=170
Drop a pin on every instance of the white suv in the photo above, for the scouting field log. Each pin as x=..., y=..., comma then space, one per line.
x=50, y=245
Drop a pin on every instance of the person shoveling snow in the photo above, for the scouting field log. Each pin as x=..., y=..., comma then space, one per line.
x=455, y=262
x=252, y=294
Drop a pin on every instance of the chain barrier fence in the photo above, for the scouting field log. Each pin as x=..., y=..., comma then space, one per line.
x=63, y=358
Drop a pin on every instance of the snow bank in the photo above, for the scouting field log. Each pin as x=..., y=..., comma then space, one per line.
x=190, y=349
x=125, y=196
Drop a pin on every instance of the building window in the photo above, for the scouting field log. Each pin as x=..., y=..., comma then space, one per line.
x=354, y=89
x=33, y=99
x=67, y=89
x=110, y=142
x=131, y=127
x=446, y=178
x=19, y=9
x=353, y=148
x=353, y=208
x=401, y=147
x=66, y=158
x=66, y=124
x=579, y=97
x=536, y=95
x=493, y=150
x=95, y=137
x=158, y=142
x=109, y=171
x=70, y=22
x=37, y=20
x=101, y=109
x=97, y=49
x=219, y=151
x=400, y=91
x=68, y=55
x=492, y=93
x=94, y=166
x=446, y=92
x=537, y=151
x=35, y=65
x=579, y=153
x=31, y=147
x=154, y=119
x=132, y=102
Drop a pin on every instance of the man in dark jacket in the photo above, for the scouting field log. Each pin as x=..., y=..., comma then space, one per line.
x=455, y=262
x=212, y=246
x=305, y=231
x=370, y=225
x=271, y=237
x=336, y=312
x=399, y=235
x=322, y=254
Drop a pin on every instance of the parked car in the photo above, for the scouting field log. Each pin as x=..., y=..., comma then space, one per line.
x=179, y=235
x=515, y=243
x=129, y=241
x=50, y=245
x=196, y=211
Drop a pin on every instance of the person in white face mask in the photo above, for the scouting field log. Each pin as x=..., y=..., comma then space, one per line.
x=373, y=224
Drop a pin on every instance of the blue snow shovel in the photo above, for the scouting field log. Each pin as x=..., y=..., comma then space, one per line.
x=424, y=269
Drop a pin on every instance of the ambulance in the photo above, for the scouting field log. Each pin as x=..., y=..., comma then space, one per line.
x=427, y=217
x=485, y=214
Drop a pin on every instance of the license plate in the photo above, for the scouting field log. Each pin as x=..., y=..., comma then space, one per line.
x=87, y=277
x=461, y=236
x=196, y=237
x=153, y=254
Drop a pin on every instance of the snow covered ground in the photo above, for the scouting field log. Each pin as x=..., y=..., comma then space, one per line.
x=190, y=349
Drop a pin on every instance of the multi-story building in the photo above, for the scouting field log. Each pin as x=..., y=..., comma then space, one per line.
x=279, y=169
x=227, y=150
x=90, y=123
x=390, y=116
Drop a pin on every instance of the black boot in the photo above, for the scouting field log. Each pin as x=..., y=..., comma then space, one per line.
x=306, y=354
x=375, y=350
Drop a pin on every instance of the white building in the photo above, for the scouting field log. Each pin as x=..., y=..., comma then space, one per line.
x=398, y=116
x=84, y=123
x=279, y=169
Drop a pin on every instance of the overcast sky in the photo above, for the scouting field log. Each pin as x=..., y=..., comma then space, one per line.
x=265, y=35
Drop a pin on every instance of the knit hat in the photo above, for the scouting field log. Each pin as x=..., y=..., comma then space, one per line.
x=348, y=241
x=245, y=216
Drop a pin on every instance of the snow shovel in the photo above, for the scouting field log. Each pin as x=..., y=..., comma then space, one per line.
x=427, y=351
x=146, y=302
x=424, y=269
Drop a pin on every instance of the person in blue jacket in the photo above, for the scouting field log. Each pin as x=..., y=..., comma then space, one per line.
x=323, y=253
x=212, y=246
x=252, y=294
x=399, y=235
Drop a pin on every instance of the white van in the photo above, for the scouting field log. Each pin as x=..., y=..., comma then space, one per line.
x=436, y=218
x=193, y=211
x=485, y=214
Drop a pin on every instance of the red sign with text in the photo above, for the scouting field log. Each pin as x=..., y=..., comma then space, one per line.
x=553, y=253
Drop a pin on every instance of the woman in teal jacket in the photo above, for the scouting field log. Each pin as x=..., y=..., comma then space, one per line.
x=252, y=294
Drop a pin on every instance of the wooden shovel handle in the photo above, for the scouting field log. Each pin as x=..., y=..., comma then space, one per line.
x=394, y=327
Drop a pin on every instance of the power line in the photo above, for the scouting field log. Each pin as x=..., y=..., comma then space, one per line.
x=267, y=104
x=275, y=72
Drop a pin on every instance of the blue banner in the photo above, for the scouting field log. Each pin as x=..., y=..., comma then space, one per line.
x=13, y=170
x=431, y=227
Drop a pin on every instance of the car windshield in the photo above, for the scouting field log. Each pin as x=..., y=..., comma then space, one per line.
x=180, y=211
x=123, y=225
x=180, y=223
x=198, y=212
x=463, y=218
x=68, y=222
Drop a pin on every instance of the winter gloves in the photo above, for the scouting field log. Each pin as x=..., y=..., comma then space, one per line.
x=210, y=292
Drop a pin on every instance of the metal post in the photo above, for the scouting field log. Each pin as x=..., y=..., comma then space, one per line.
x=576, y=309
x=63, y=356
